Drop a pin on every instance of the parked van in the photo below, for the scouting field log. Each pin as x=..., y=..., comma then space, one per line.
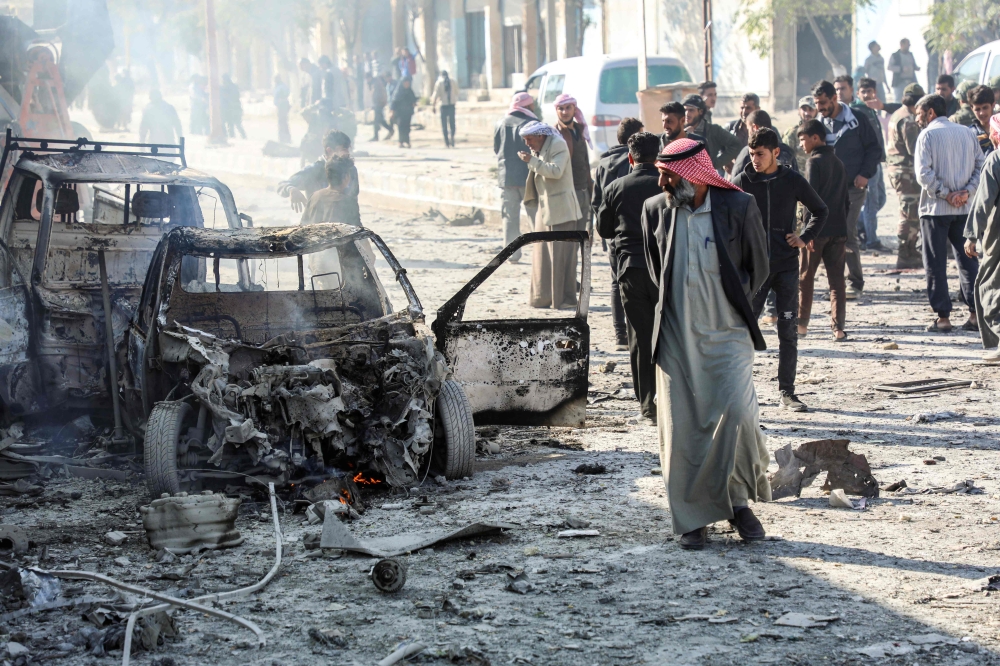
x=604, y=87
x=979, y=66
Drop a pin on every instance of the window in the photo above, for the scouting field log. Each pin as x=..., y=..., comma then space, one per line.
x=619, y=85
x=534, y=85
x=970, y=69
x=553, y=87
x=511, y=52
x=319, y=271
x=995, y=66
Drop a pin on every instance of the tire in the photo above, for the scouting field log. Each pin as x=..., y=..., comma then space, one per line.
x=163, y=432
x=455, y=444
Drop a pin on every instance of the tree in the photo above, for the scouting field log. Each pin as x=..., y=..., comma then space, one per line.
x=757, y=16
x=963, y=25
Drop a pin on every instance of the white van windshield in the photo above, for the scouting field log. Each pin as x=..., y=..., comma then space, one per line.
x=619, y=85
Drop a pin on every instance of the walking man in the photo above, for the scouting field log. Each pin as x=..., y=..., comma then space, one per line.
x=904, y=69
x=984, y=226
x=619, y=219
x=232, y=107
x=721, y=145
x=380, y=98
x=707, y=256
x=160, y=122
x=615, y=164
x=300, y=186
x=335, y=202
x=900, y=147
x=875, y=197
x=574, y=130
x=778, y=190
x=875, y=69
x=446, y=92
x=948, y=161
x=807, y=112
x=856, y=143
x=512, y=171
x=404, y=101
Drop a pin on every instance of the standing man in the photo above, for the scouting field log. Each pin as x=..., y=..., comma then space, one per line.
x=875, y=69
x=160, y=122
x=761, y=119
x=232, y=107
x=807, y=112
x=576, y=134
x=313, y=91
x=875, y=196
x=404, y=101
x=948, y=161
x=619, y=219
x=672, y=116
x=301, y=185
x=778, y=190
x=446, y=92
x=280, y=95
x=856, y=143
x=710, y=94
x=335, y=203
x=739, y=128
x=552, y=202
x=380, y=98
x=981, y=99
x=945, y=88
x=900, y=147
x=984, y=226
x=721, y=145
x=904, y=69
x=615, y=164
x=512, y=171
x=707, y=256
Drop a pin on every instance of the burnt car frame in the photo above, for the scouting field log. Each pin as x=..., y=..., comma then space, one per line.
x=226, y=374
x=79, y=222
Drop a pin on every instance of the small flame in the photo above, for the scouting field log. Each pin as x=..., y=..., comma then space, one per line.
x=361, y=479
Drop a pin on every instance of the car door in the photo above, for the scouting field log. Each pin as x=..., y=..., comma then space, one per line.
x=531, y=371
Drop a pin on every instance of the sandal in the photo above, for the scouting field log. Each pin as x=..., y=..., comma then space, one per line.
x=937, y=328
x=836, y=339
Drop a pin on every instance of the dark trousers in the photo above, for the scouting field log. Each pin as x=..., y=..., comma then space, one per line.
x=857, y=202
x=403, y=128
x=380, y=122
x=786, y=298
x=617, y=310
x=639, y=298
x=448, y=124
x=234, y=125
x=936, y=232
x=833, y=253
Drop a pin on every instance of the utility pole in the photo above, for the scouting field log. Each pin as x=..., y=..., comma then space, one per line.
x=707, y=15
x=643, y=70
x=218, y=130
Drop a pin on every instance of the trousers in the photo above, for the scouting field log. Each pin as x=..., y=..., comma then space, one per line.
x=831, y=251
x=856, y=196
x=937, y=232
x=874, y=201
x=510, y=211
x=785, y=285
x=639, y=298
x=448, y=124
x=617, y=310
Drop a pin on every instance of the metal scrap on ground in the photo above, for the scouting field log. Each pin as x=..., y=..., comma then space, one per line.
x=799, y=468
x=336, y=535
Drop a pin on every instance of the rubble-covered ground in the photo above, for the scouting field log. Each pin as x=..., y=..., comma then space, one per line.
x=901, y=582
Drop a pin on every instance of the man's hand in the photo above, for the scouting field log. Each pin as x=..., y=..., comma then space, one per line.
x=860, y=182
x=811, y=246
x=795, y=241
x=875, y=104
x=525, y=157
x=298, y=199
x=970, y=249
x=958, y=198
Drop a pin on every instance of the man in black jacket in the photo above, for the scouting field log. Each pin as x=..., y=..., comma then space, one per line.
x=826, y=175
x=777, y=190
x=786, y=155
x=619, y=219
x=512, y=171
x=855, y=142
x=614, y=165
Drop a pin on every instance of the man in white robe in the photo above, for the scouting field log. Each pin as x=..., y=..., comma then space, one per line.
x=706, y=250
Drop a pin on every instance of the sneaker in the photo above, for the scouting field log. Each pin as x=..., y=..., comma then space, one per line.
x=853, y=294
x=791, y=402
x=621, y=345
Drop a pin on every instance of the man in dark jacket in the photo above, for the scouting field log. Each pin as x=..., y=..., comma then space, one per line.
x=614, y=165
x=512, y=171
x=826, y=174
x=301, y=185
x=721, y=145
x=856, y=143
x=760, y=119
x=672, y=118
x=778, y=189
x=619, y=219
x=741, y=128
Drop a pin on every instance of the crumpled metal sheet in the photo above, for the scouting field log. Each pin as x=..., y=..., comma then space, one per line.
x=186, y=523
x=336, y=535
x=799, y=468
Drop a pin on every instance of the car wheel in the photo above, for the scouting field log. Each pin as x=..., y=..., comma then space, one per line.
x=164, y=429
x=455, y=443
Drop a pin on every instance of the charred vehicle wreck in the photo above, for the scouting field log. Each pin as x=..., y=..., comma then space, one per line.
x=276, y=354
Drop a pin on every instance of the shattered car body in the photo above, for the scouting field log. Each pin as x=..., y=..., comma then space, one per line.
x=71, y=213
x=276, y=353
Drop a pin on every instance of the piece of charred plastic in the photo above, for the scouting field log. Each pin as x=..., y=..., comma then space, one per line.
x=389, y=575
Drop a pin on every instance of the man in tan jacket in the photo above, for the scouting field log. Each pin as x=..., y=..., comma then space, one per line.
x=550, y=198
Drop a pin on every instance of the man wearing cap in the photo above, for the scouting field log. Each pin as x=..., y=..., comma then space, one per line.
x=512, y=172
x=706, y=251
x=899, y=148
x=983, y=226
x=722, y=146
x=807, y=112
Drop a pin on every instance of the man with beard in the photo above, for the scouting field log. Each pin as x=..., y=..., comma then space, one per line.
x=984, y=226
x=573, y=128
x=672, y=116
x=706, y=251
x=740, y=128
x=721, y=145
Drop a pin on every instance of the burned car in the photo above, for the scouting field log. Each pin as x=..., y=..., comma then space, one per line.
x=275, y=354
x=79, y=222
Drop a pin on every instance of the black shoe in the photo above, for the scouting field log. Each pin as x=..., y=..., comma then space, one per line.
x=747, y=524
x=972, y=324
x=695, y=539
x=791, y=401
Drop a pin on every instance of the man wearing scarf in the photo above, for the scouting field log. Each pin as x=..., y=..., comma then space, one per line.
x=984, y=226
x=553, y=206
x=576, y=134
x=512, y=172
x=706, y=250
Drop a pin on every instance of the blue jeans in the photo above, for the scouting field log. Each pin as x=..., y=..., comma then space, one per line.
x=868, y=224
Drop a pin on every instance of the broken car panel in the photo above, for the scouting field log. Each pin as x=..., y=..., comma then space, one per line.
x=521, y=371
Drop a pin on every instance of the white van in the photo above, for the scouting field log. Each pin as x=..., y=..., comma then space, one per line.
x=604, y=87
x=979, y=66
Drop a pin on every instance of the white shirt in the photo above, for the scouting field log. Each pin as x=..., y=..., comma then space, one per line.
x=947, y=159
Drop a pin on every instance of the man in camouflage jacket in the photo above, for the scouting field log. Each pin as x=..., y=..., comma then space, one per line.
x=899, y=148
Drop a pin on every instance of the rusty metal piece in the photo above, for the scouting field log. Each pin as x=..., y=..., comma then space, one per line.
x=388, y=575
x=799, y=468
x=186, y=523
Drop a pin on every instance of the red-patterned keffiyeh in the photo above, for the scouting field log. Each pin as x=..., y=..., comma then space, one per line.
x=995, y=129
x=689, y=159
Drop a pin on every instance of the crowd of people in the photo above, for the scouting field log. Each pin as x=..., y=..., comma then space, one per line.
x=714, y=231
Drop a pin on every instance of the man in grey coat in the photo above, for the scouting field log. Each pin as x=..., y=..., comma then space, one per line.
x=984, y=226
x=512, y=171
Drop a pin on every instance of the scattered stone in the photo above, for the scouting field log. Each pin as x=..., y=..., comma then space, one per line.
x=931, y=417
x=938, y=458
x=893, y=487
x=890, y=346
x=123, y=561
x=519, y=583
x=76, y=494
x=656, y=471
x=493, y=447
x=930, y=461
x=428, y=510
x=458, y=584
x=115, y=538
x=328, y=637
x=608, y=367
x=577, y=523
x=839, y=500
x=15, y=650
x=591, y=468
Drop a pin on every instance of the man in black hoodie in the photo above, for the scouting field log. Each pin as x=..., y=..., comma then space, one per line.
x=777, y=190
x=614, y=165
x=619, y=219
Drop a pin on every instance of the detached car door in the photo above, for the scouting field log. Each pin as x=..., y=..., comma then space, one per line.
x=530, y=371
